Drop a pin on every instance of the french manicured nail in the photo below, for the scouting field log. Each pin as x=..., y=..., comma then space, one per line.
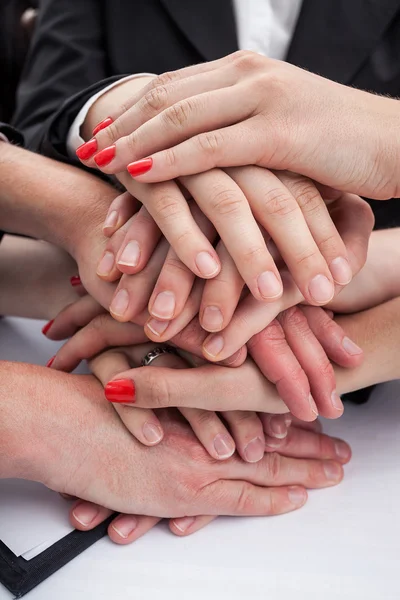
x=212, y=319
x=333, y=471
x=85, y=514
x=336, y=401
x=120, y=303
x=351, y=347
x=184, y=523
x=53, y=358
x=104, y=157
x=87, y=150
x=278, y=428
x=224, y=445
x=313, y=405
x=297, y=495
x=75, y=281
x=111, y=220
x=321, y=289
x=341, y=271
x=131, y=255
x=120, y=391
x=206, y=264
x=152, y=433
x=164, y=305
x=47, y=327
x=269, y=286
x=140, y=167
x=342, y=450
x=125, y=526
x=106, y=264
x=102, y=125
x=214, y=345
x=254, y=451
x=157, y=327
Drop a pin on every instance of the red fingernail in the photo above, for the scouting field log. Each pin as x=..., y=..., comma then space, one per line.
x=75, y=280
x=139, y=167
x=102, y=125
x=87, y=150
x=105, y=156
x=121, y=391
x=47, y=327
x=51, y=361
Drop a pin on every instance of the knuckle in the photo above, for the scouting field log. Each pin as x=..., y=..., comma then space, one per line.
x=170, y=157
x=295, y=375
x=243, y=418
x=245, y=60
x=155, y=100
x=164, y=79
x=192, y=336
x=273, y=466
x=307, y=195
x=226, y=202
x=202, y=418
x=277, y=202
x=165, y=206
x=210, y=143
x=245, y=500
x=158, y=390
x=175, y=266
x=177, y=115
x=325, y=368
x=113, y=132
x=273, y=332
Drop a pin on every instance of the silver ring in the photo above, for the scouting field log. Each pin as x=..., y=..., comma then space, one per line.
x=156, y=353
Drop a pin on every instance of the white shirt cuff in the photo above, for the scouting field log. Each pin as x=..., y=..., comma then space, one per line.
x=4, y=138
x=74, y=139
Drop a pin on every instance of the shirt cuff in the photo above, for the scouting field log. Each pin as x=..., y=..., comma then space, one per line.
x=4, y=138
x=74, y=139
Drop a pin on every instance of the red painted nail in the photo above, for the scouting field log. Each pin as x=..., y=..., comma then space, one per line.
x=51, y=361
x=139, y=167
x=121, y=391
x=105, y=156
x=47, y=327
x=75, y=280
x=87, y=150
x=102, y=125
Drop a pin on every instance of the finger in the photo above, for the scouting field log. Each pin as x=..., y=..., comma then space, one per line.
x=211, y=432
x=277, y=361
x=73, y=317
x=87, y=515
x=122, y=208
x=107, y=266
x=277, y=210
x=307, y=425
x=275, y=426
x=139, y=243
x=126, y=529
x=76, y=283
x=314, y=362
x=320, y=224
x=188, y=525
x=227, y=207
x=332, y=338
x=209, y=387
x=247, y=431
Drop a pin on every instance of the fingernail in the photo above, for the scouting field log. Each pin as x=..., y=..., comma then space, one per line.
x=120, y=391
x=342, y=450
x=111, y=220
x=85, y=514
x=254, y=451
x=333, y=471
x=157, y=327
x=273, y=443
x=288, y=421
x=313, y=405
x=321, y=289
x=87, y=150
x=184, y=523
x=214, y=345
x=124, y=526
x=152, y=433
x=278, y=428
x=102, y=125
x=269, y=285
x=341, y=271
x=106, y=264
x=224, y=445
x=164, y=305
x=139, y=167
x=297, y=495
x=351, y=347
x=75, y=281
x=131, y=255
x=47, y=327
x=206, y=264
x=336, y=401
x=53, y=358
x=104, y=157
x=212, y=319
x=120, y=303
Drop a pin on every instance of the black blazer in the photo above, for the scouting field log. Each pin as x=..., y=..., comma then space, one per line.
x=78, y=45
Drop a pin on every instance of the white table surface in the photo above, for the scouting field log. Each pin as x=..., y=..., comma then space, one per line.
x=344, y=544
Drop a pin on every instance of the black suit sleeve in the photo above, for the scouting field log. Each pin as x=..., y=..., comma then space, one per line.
x=67, y=55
